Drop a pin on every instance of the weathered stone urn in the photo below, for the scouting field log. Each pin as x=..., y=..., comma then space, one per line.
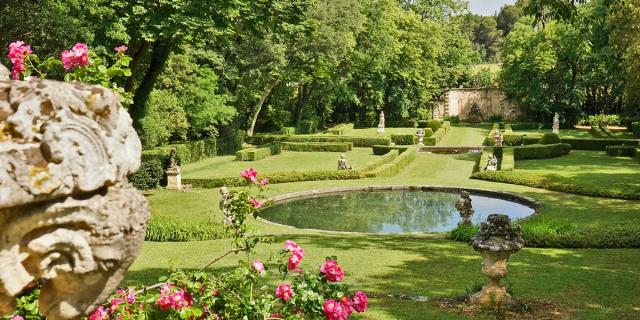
x=496, y=241
x=69, y=219
x=420, y=135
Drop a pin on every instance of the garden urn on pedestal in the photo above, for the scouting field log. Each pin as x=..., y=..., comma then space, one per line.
x=420, y=135
x=496, y=241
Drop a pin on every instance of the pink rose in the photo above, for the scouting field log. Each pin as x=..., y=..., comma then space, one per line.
x=98, y=314
x=360, y=301
x=298, y=251
x=18, y=51
x=293, y=261
x=347, y=304
x=17, y=318
x=77, y=56
x=332, y=271
x=250, y=175
x=290, y=245
x=181, y=300
x=333, y=310
x=284, y=292
x=115, y=302
x=258, y=266
x=264, y=182
x=120, y=49
x=131, y=296
x=255, y=203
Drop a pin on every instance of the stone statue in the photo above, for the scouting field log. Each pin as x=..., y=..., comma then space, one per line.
x=463, y=205
x=227, y=216
x=420, y=135
x=499, y=136
x=496, y=241
x=492, y=163
x=174, y=173
x=556, y=123
x=381, y=123
x=475, y=114
x=69, y=217
x=343, y=164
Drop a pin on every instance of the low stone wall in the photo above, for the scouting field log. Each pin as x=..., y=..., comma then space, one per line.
x=490, y=102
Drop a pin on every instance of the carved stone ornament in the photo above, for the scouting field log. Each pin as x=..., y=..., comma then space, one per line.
x=465, y=209
x=69, y=218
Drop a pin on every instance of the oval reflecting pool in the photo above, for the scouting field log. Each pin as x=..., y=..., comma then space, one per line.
x=387, y=211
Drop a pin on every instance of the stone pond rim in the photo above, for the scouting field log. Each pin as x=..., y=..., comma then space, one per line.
x=289, y=197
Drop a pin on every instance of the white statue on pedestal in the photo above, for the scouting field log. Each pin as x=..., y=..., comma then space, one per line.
x=381, y=123
x=556, y=123
x=174, y=176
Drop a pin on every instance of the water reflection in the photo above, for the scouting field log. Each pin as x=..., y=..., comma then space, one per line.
x=387, y=212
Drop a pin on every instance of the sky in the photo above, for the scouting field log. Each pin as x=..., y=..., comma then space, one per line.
x=487, y=7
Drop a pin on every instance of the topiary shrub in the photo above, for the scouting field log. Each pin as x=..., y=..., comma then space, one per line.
x=308, y=127
x=382, y=150
x=598, y=144
x=149, y=175
x=288, y=131
x=540, y=151
x=622, y=151
x=259, y=154
x=434, y=124
x=549, y=138
x=428, y=132
x=404, y=139
x=318, y=146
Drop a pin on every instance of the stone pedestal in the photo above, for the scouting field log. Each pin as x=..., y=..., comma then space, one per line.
x=420, y=135
x=174, y=178
x=496, y=241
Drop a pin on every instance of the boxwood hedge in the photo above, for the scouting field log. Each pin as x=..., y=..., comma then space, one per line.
x=622, y=151
x=318, y=146
x=404, y=139
x=541, y=151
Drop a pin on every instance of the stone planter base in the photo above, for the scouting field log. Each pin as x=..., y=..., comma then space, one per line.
x=491, y=295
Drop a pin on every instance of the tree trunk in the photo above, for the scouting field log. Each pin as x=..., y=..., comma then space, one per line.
x=302, y=92
x=136, y=60
x=258, y=107
x=159, y=56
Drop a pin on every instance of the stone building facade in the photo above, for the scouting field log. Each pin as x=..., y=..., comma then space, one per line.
x=489, y=101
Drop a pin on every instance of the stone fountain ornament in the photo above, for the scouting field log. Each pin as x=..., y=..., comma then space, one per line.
x=496, y=241
x=463, y=205
x=70, y=221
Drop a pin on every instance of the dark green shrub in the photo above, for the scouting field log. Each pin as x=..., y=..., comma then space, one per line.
x=541, y=151
x=150, y=174
x=341, y=129
x=404, y=139
x=318, y=146
x=434, y=124
x=512, y=140
x=259, y=154
x=308, y=127
x=597, y=132
x=288, y=131
x=428, y=132
x=622, y=151
x=210, y=147
x=423, y=123
x=598, y=144
x=229, y=140
x=526, y=126
x=452, y=119
x=381, y=150
x=357, y=141
x=603, y=120
x=549, y=138
x=275, y=147
x=243, y=155
x=635, y=128
x=406, y=123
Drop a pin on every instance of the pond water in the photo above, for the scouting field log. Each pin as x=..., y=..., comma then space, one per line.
x=387, y=211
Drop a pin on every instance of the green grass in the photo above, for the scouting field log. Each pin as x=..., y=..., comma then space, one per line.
x=465, y=136
x=588, y=283
x=373, y=132
x=226, y=166
x=581, y=172
x=569, y=133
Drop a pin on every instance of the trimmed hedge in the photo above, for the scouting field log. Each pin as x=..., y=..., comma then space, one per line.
x=149, y=175
x=229, y=140
x=549, y=138
x=406, y=123
x=318, y=146
x=288, y=131
x=387, y=158
x=434, y=125
x=512, y=140
x=598, y=144
x=555, y=234
x=622, y=151
x=437, y=135
x=404, y=139
x=526, y=126
x=172, y=230
x=284, y=177
x=357, y=141
x=635, y=128
x=607, y=131
x=308, y=127
x=394, y=167
x=259, y=153
x=382, y=150
x=341, y=129
x=537, y=181
x=541, y=151
x=243, y=155
x=428, y=132
x=597, y=132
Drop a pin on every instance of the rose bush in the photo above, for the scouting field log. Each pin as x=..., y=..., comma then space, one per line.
x=242, y=293
x=78, y=64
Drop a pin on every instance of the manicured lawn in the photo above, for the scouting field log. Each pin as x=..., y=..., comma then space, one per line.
x=563, y=133
x=586, y=283
x=373, y=132
x=226, y=166
x=465, y=136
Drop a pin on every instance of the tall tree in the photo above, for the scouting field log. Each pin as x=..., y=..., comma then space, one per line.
x=507, y=18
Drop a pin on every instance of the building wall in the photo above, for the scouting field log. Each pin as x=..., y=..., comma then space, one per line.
x=491, y=101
